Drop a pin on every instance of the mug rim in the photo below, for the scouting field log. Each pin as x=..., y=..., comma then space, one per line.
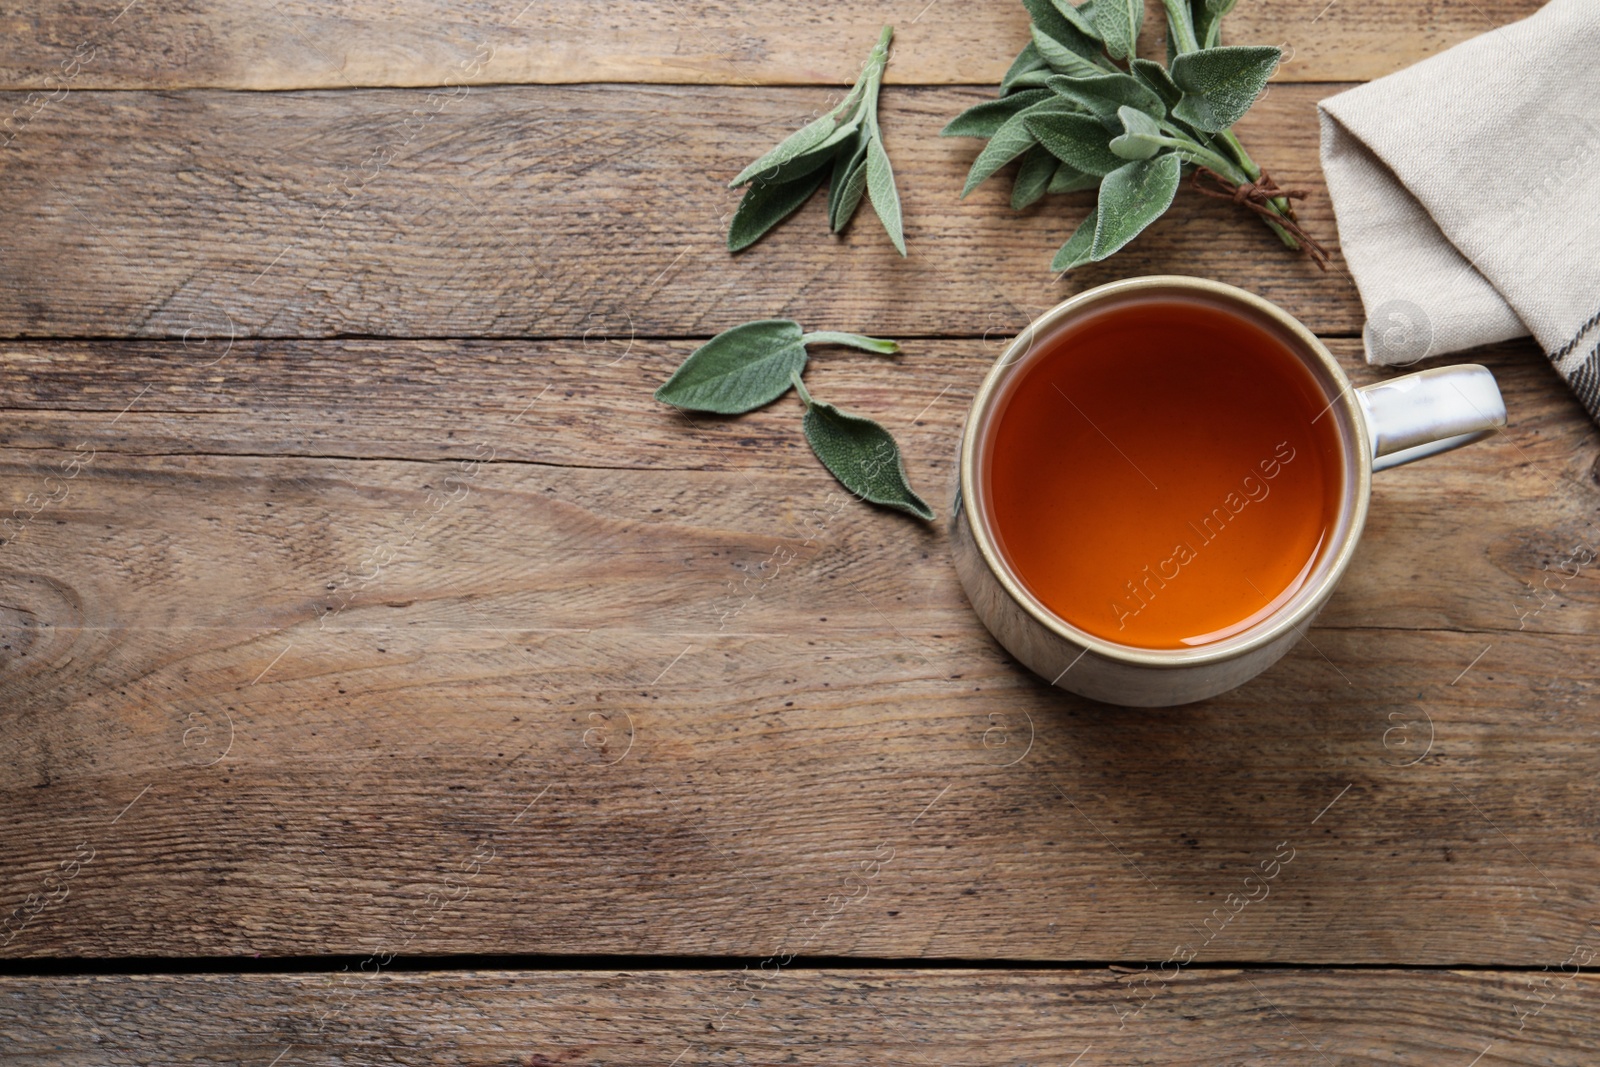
x=1270, y=629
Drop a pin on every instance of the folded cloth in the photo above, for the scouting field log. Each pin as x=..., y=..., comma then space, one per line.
x=1467, y=193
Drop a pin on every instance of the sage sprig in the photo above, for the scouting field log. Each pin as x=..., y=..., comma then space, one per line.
x=1080, y=111
x=753, y=364
x=843, y=148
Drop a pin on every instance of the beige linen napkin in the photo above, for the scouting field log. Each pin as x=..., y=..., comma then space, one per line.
x=1467, y=193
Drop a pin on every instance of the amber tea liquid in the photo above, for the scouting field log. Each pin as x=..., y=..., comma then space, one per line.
x=1163, y=473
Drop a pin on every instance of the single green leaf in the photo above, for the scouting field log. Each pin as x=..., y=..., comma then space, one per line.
x=1061, y=58
x=1033, y=177
x=1081, y=140
x=885, y=197
x=1028, y=60
x=738, y=370
x=1082, y=18
x=1119, y=22
x=1208, y=16
x=1155, y=78
x=1010, y=141
x=1054, y=26
x=1131, y=198
x=1079, y=248
x=1034, y=79
x=1141, y=137
x=861, y=454
x=881, y=346
x=817, y=134
x=1069, y=179
x=985, y=119
x=1102, y=94
x=847, y=186
x=1220, y=84
x=765, y=205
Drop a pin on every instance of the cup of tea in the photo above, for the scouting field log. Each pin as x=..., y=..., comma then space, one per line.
x=1162, y=479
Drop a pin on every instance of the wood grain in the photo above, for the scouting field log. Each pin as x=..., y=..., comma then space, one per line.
x=296, y=44
x=915, y=1018
x=587, y=404
x=558, y=212
x=723, y=688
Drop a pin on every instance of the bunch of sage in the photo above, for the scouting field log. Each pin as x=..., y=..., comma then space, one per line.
x=1080, y=110
x=755, y=363
x=843, y=148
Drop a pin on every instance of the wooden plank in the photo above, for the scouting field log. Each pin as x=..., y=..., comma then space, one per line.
x=260, y=44
x=915, y=1018
x=1530, y=494
x=287, y=704
x=557, y=212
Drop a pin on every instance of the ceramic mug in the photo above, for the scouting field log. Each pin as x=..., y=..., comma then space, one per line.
x=1378, y=426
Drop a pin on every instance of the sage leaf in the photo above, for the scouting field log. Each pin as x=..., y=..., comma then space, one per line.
x=799, y=143
x=1081, y=140
x=1155, y=78
x=1028, y=61
x=1118, y=22
x=846, y=137
x=861, y=454
x=1131, y=198
x=1102, y=94
x=1033, y=177
x=1208, y=20
x=1055, y=28
x=846, y=187
x=985, y=119
x=1082, y=18
x=1011, y=140
x=764, y=205
x=738, y=370
x=852, y=340
x=1062, y=58
x=1069, y=179
x=1220, y=84
x=1079, y=248
x=1142, y=136
x=880, y=188
x=1034, y=79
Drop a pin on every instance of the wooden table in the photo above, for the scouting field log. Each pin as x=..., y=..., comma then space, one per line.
x=388, y=678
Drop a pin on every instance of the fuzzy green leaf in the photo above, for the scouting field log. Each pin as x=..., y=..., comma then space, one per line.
x=1033, y=177
x=1069, y=179
x=1078, y=249
x=1208, y=20
x=829, y=129
x=861, y=454
x=885, y=197
x=1061, y=58
x=1010, y=141
x=985, y=119
x=1141, y=137
x=1049, y=21
x=1220, y=84
x=1102, y=94
x=1081, y=17
x=765, y=205
x=1131, y=198
x=1155, y=78
x=1118, y=22
x=847, y=186
x=1081, y=140
x=1028, y=61
x=738, y=370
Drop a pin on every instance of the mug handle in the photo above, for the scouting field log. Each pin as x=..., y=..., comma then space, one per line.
x=1429, y=412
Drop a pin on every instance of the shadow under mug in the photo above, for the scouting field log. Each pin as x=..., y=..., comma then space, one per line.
x=1379, y=426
